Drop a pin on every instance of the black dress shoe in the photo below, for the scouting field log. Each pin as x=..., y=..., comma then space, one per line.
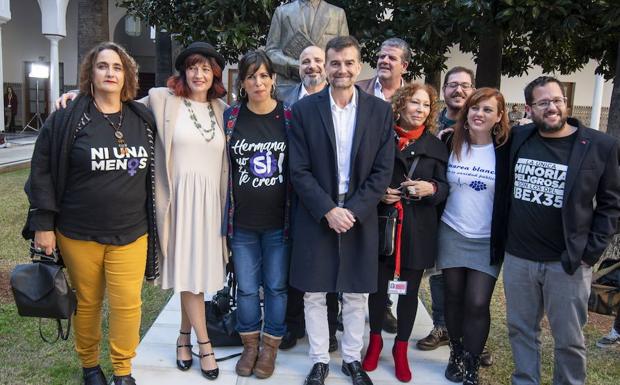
x=94, y=376
x=333, y=344
x=317, y=375
x=390, y=325
x=357, y=374
x=124, y=380
x=184, y=364
x=289, y=340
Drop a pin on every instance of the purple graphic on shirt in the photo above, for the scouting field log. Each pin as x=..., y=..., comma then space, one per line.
x=132, y=166
x=263, y=164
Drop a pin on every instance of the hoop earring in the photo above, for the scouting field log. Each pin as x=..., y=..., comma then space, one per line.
x=242, y=93
x=495, y=129
x=92, y=90
x=397, y=117
x=273, y=91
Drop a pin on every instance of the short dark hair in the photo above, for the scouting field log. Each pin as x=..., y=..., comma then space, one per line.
x=341, y=42
x=130, y=69
x=178, y=83
x=399, y=43
x=248, y=65
x=456, y=70
x=540, y=81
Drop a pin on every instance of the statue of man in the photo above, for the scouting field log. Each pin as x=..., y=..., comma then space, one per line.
x=297, y=25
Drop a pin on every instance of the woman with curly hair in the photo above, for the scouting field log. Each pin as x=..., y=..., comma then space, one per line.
x=419, y=184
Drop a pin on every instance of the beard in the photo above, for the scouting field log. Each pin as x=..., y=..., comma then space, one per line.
x=548, y=128
x=310, y=82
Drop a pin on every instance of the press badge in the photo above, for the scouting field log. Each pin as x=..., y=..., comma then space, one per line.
x=397, y=287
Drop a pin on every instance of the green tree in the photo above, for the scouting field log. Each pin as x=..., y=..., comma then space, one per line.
x=232, y=26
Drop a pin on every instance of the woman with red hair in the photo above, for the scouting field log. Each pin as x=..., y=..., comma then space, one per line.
x=471, y=237
x=191, y=182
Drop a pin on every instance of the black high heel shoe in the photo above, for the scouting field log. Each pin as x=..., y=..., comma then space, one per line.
x=209, y=374
x=184, y=364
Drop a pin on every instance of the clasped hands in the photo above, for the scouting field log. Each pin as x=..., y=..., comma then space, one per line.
x=340, y=219
x=416, y=189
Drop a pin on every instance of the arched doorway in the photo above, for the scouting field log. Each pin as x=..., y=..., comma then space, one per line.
x=142, y=48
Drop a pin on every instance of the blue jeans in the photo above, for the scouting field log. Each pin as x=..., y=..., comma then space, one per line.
x=261, y=257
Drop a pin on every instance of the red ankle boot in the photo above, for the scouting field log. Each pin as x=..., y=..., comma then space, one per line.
x=401, y=363
x=373, y=352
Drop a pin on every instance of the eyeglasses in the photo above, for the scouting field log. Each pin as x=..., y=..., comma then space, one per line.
x=544, y=104
x=463, y=85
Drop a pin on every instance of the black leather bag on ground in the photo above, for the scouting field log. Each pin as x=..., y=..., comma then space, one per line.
x=605, y=293
x=221, y=314
x=40, y=289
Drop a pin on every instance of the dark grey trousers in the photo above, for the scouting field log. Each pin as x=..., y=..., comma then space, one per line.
x=536, y=288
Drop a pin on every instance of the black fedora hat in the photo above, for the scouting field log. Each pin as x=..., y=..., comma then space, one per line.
x=202, y=48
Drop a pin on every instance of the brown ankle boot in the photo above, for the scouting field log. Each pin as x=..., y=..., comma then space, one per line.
x=247, y=361
x=266, y=362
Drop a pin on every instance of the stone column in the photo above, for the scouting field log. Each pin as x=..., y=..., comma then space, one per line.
x=597, y=100
x=54, y=27
x=5, y=15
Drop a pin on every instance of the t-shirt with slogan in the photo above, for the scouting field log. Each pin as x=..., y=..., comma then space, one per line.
x=106, y=192
x=259, y=155
x=535, y=222
x=472, y=186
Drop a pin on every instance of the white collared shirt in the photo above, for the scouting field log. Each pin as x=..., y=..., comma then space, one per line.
x=344, y=128
x=303, y=92
x=379, y=89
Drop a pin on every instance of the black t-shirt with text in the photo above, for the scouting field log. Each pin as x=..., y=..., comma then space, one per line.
x=259, y=169
x=106, y=192
x=535, y=226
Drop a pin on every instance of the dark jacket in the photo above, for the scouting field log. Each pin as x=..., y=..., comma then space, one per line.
x=322, y=260
x=421, y=217
x=50, y=167
x=591, y=205
x=501, y=199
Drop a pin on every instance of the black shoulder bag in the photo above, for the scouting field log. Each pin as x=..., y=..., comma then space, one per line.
x=40, y=289
x=388, y=218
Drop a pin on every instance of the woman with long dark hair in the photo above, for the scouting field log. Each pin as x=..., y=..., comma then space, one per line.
x=471, y=241
x=258, y=217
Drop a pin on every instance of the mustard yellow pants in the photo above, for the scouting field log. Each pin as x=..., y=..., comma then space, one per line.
x=92, y=267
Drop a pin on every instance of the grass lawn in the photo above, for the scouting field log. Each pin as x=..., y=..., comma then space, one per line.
x=25, y=358
x=603, y=365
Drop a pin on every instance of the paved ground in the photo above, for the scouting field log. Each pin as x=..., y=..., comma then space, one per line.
x=155, y=360
x=18, y=151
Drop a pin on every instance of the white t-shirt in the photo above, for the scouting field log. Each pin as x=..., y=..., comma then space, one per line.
x=469, y=207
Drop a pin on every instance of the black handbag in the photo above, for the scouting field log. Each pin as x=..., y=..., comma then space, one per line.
x=388, y=217
x=388, y=220
x=221, y=314
x=40, y=289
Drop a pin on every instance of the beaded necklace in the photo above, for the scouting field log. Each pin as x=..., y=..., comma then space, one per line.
x=209, y=133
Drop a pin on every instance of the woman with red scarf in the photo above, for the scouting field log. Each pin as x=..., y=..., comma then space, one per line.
x=419, y=184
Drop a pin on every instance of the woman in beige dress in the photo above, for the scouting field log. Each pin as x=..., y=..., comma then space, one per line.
x=191, y=181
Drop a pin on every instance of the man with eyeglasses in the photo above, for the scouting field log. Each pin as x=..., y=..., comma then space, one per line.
x=392, y=62
x=563, y=211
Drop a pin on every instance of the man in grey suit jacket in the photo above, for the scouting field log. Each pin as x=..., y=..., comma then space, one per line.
x=296, y=25
x=392, y=61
